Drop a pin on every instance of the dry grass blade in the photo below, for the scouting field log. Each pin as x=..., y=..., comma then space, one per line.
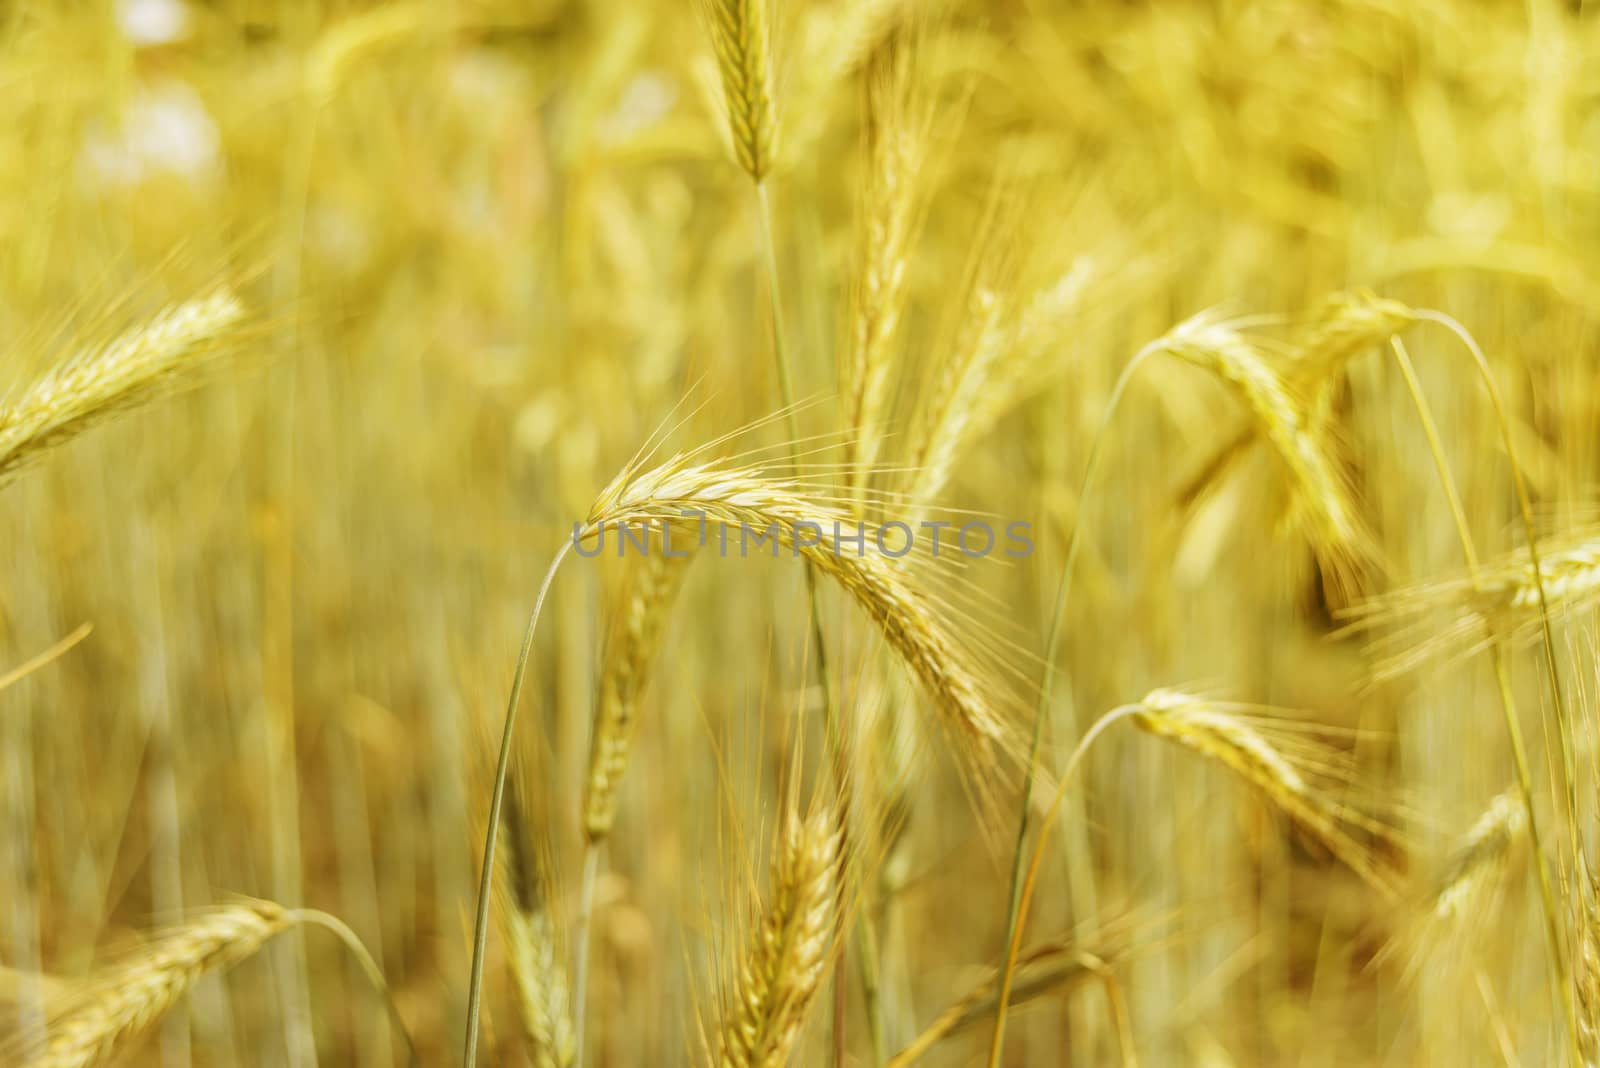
x=1239, y=740
x=739, y=36
x=625, y=669
x=99, y=383
x=785, y=961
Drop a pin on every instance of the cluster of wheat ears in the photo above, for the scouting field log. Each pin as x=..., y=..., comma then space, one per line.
x=1368, y=836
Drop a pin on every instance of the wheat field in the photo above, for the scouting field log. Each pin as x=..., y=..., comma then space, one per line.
x=836, y=532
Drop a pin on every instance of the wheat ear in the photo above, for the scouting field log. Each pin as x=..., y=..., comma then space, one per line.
x=522, y=894
x=750, y=497
x=625, y=669
x=99, y=383
x=739, y=36
x=798, y=928
x=120, y=1003
x=1232, y=736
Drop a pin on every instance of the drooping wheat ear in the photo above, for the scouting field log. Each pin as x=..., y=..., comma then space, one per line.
x=744, y=60
x=625, y=669
x=1343, y=545
x=892, y=204
x=101, y=382
x=1460, y=615
x=533, y=944
x=794, y=939
x=122, y=1002
x=1050, y=968
x=1285, y=770
x=114, y=1006
x=738, y=500
x=1349, y=325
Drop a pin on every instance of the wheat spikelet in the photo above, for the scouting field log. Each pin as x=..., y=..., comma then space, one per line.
x=120, y=1003
x=748, y=498
x=99, y=383
x=625, y=671
x=1236, y=739
x=739, y=38
x=1342, y=543
x=793, y=942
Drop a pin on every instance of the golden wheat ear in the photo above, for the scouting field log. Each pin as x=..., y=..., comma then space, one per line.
x=971, y=705
x=106, y=380
x=1323, y=500
x=793, y=941
x=116, y=1006
x=645, y=603
x=1298, y=774
x=740, y=38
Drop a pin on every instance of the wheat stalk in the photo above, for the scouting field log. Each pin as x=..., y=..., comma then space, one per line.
x=784, y=965
x=102, y=382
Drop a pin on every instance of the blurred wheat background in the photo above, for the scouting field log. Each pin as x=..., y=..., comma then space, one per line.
x=324, y=323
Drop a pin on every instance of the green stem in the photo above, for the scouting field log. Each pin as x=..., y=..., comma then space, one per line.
x=1014, y=941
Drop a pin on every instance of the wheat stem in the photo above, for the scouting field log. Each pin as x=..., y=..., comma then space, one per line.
x=480, y=929
x=1058, y=617
x=1019, y=922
